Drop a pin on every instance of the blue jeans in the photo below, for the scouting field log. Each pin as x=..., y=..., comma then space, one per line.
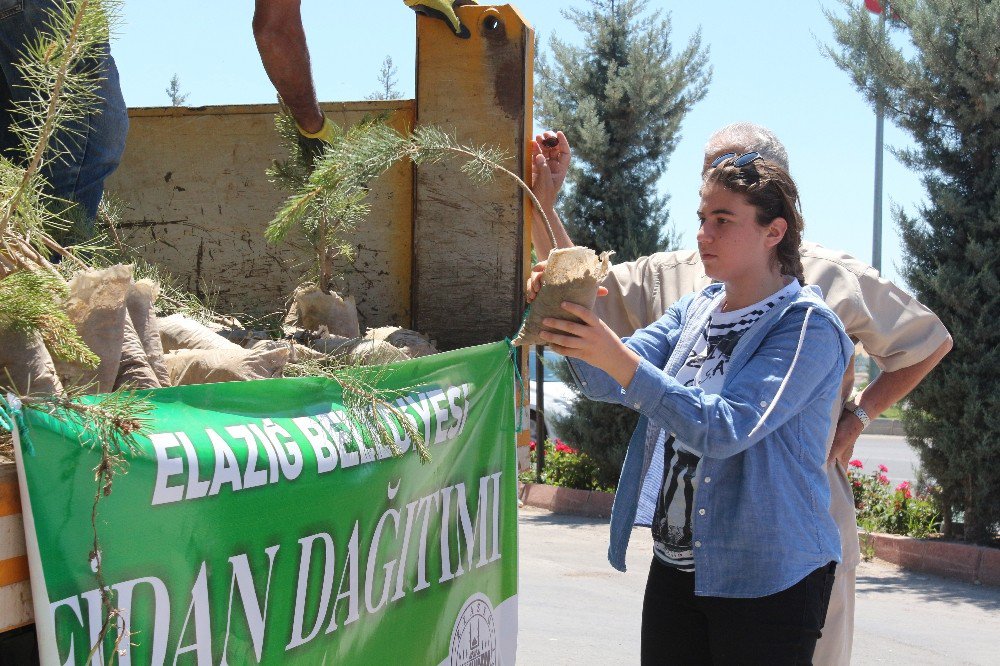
x=90, y=148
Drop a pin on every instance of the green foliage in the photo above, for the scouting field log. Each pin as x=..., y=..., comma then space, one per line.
x=941, y=86
x=329, y=196
x=600, y=429
x=58, y=64
x=326, y=203
x=564, y=466
x=891, y=511
x=386, y=82
x=33, y=301
x=373, y=409
x=177, y=98
x=621, y=96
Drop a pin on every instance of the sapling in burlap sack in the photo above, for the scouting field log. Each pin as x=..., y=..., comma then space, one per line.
x=411, y=343
x=329, y=194
x=572, y=275
x=96, y=306
x=313, y=309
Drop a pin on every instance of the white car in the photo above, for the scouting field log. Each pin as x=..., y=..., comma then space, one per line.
x=557, y=397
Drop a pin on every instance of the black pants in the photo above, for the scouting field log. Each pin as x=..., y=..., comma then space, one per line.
x=679, y=628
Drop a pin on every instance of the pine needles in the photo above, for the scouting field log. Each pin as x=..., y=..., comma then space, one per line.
x=328, y=201
x=377, y=411
x=32, y=301
x=60, y=66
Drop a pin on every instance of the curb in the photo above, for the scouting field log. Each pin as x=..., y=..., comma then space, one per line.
x=588, y=503
x=979, y=565
x=885, y=427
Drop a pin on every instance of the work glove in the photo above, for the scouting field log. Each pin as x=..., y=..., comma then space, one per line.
x=444, y=10
x=312, y=144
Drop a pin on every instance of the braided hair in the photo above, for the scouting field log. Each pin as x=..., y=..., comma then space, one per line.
x=771, y=190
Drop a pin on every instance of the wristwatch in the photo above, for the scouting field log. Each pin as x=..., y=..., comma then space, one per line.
x=862, y=415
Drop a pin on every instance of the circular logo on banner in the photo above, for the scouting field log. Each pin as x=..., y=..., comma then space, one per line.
x=474, y=638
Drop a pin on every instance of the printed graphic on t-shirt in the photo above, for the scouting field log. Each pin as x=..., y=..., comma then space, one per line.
x=672, y=519
x=705, y=367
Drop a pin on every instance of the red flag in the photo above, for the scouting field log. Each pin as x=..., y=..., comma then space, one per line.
x=875, y=6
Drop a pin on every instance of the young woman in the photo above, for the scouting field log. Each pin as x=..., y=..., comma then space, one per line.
x=735, y=387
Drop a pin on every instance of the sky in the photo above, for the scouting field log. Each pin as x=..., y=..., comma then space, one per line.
x=768, y=67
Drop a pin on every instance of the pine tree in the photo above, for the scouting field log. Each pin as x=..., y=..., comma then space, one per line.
x=620, y=97
x=174, y=92
x=386, y=82
x=943, y=87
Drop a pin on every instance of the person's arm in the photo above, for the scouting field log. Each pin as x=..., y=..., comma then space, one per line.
x=888, y=388
x=596, y=374
x=281, y=41
x=548, y=172
x=793, y=366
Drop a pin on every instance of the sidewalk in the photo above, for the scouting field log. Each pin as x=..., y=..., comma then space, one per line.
x=576, y=609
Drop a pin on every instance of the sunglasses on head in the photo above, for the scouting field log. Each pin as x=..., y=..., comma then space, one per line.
x=739, y=162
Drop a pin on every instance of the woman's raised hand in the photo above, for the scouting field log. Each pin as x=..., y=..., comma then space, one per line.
x=554, y=147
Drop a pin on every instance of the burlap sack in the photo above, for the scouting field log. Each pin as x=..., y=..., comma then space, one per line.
x=208, y=366
x=141, y=297
x=358, y=351
x=180, y=332
x=26, y=367
x=411, y=343
x=296, y=352
x=96, y=306
x=312, y=309
x=572, y=274
x=134, y=370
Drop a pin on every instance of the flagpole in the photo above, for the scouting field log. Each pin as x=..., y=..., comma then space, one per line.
x=879, y=151
x=873, y=369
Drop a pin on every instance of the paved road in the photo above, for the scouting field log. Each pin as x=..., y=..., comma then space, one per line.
x=891, y=451
x=576, y=609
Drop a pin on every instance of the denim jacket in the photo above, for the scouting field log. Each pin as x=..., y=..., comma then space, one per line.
x=761, y=518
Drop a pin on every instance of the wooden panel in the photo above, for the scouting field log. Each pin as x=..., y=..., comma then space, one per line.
x=15, y=591
x=15, y=606
x=10, y=497
x=198, y=202
x=469, y=240
x=13, y=570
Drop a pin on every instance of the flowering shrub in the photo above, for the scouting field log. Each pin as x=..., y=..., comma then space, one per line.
x=564, y=466
x=901, y=510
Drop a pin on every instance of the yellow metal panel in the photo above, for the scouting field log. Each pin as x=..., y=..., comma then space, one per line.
x=469, y=240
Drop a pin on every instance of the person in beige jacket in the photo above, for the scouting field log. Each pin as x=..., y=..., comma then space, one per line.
x=903, y=336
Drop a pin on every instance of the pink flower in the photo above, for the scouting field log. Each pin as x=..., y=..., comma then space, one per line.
x=883, y=479
x=904, y=488
x=531, y=446
x=883, y=468
x=856, y=463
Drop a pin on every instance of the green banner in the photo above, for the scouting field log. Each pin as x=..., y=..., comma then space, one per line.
x=262, y=524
